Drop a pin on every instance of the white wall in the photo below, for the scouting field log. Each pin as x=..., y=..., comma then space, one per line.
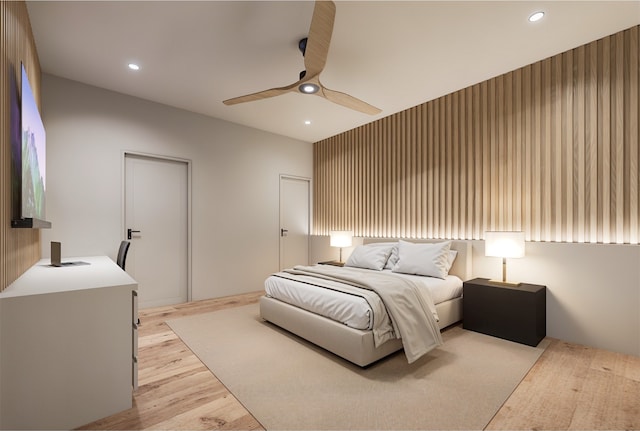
x=593, y=290
x=235, y=181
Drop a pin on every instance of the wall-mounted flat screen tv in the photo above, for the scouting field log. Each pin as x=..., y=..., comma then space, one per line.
x=32, y=161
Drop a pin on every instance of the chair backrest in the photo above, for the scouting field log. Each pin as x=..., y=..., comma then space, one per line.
x=122, y=253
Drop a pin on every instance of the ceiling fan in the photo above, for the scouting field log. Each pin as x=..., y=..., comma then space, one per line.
x=314, y=48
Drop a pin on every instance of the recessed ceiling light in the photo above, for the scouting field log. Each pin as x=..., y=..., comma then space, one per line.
x=537, y=16
x=134, y=66
x=309, y=88
x=307, y=122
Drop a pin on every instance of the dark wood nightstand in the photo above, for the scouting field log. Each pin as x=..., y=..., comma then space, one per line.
x=515, y=313
x=331, y=262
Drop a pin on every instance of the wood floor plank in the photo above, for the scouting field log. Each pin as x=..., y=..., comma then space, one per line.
x=616, y=378
x=177, y=396
x=570, y=386
x=161, y=371
x=574, y=387
x=221, y=413
x=155, y=339
x=621, y=409
x=531, y=407
x=617, y=363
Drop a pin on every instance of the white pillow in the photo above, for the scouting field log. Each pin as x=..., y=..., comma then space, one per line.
x=430, y=259
x=393, y=257
x=370, y=256
x=452, y=257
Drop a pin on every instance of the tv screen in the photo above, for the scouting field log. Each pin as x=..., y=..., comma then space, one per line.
x=16, y=149
x=33, y=155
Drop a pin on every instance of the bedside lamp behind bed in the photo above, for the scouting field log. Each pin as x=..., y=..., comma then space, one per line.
x=504, y=245
x=340, y=238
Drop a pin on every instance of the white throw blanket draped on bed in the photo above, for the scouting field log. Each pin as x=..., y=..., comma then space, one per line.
x=411, y=310
x=378, y=320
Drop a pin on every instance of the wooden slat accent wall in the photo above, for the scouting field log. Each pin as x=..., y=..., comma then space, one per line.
x=19, y=248
x=550, y=149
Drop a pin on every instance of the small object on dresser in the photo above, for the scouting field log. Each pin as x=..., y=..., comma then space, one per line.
x=331, y=262
x=514, y=313
x=56, y=253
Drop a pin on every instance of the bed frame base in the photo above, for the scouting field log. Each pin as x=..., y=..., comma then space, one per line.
x=354, y=345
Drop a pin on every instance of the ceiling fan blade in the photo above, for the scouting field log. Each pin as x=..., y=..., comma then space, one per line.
x=349, y=101
x=315, y=58
x=265, y=94
x=319, y=38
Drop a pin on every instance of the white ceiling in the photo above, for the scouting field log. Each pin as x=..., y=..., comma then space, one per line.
x=391, y=54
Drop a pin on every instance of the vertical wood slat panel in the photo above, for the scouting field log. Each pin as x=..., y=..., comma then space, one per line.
x=545, y=151
x=592, y=142
x=485, y=151
x=605, y=126
x=550, y=149
x=491, y=144
x=528, y=160
x=517, y=143
x=477, y=166
x=461, y=230
x=508, y=126
x=578, y=143
x=557, y=181
x=430, y=171
x=19, y=248
x=567, y=144
x=619, y=136
x=633, y=120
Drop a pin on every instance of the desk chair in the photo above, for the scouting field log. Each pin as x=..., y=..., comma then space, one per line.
x=122, y=253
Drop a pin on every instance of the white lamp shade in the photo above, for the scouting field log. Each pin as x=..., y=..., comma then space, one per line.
x=504, y=244
x=340, y=238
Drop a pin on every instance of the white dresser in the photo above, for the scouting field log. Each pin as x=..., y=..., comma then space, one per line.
x=68, y=345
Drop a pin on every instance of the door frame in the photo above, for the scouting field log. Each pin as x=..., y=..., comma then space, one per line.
x=309, y=209
x=123, y=226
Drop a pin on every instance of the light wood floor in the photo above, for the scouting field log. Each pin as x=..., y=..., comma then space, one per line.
x=570, y=387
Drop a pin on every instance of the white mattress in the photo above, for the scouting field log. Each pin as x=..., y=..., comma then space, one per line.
x=353, y=311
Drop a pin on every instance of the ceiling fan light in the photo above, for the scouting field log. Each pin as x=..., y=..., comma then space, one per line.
x=537, y=16
x=308, y=88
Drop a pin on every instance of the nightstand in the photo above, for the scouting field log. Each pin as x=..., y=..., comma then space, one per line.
x=515, y=313
x=331, y=262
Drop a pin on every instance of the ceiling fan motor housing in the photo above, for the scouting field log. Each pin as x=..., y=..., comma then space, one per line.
x=302, y=45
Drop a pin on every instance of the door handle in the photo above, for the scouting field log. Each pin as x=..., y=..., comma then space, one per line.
x=130, y=231
x=283, y=232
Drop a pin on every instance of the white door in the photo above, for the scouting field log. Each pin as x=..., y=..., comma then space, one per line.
x=294, y=221
x=156, y=211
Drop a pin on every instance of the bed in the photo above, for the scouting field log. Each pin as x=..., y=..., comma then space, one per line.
x=353, y=340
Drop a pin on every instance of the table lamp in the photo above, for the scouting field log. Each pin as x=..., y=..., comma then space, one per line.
x=505, y=245
x=340, y=238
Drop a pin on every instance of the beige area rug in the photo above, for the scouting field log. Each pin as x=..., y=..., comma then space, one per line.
x=290, y=384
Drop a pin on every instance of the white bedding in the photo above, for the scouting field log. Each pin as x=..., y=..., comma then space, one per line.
x=353, y=311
